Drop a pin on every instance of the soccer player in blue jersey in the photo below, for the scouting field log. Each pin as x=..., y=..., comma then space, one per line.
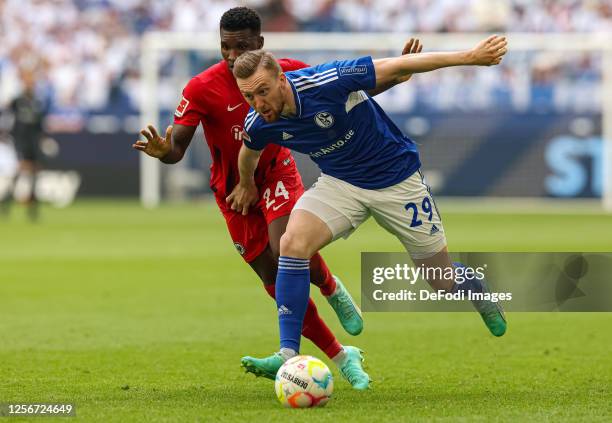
x=368, y=168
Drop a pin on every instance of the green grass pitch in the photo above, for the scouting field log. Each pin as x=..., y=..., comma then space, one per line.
x=137, y=315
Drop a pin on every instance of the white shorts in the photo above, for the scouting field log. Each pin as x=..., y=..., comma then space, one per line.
x=407, y=210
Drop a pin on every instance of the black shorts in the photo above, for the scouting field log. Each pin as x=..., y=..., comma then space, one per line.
x=27, y=149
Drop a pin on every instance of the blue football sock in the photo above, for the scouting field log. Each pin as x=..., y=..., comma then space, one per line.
x=477, y=285
x=470, y=284
x=292, y=293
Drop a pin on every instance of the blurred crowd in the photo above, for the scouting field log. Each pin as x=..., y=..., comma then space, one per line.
x=451, y=15
x=86, y=52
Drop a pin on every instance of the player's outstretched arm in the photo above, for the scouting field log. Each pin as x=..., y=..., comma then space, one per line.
x=169, y=149
x=413, y=46
x=486, y=53
x=245, y=194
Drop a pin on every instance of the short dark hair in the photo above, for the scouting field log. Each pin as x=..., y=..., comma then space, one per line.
x=240, y=18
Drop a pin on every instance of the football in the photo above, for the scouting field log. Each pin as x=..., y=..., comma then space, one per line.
x=303, y=382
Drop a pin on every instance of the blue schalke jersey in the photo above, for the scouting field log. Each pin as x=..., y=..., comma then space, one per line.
x=343, y=130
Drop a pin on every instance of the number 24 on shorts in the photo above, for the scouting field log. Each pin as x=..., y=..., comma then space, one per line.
x=425, y=206
x=280, y=191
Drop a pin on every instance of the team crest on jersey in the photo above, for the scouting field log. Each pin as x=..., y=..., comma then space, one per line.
x=240, y=248
x=324, y=120
x=182, y=107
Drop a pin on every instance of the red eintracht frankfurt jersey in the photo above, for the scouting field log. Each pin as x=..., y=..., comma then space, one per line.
x=213, y=99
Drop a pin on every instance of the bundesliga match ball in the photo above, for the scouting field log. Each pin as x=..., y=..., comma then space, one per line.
x=304, y=381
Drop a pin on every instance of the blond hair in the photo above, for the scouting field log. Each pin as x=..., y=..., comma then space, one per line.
x=247, y=63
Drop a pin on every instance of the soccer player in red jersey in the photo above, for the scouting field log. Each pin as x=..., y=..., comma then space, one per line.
x=213, y=99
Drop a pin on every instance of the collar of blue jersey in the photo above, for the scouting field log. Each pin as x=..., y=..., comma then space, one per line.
x=298, y=101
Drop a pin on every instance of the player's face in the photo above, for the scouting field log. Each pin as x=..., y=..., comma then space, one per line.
x=263, y=91
x=29, y=81
x=234, y=43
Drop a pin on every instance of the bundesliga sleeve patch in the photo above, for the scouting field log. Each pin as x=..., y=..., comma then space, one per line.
x=182, y=107
x=354, y=70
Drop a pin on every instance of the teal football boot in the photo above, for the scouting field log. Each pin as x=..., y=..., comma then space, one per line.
x=266, y=367
x=347, y=311
x=351, y=369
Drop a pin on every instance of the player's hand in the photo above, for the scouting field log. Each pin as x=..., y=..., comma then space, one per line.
x=154, y=146
x=413, y=46
x=242, y=197
x=489, y=52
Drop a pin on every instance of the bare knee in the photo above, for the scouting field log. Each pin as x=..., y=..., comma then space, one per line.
x=305, y=235
x=293, y=245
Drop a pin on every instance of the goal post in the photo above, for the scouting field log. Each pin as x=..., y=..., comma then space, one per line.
x=154, y=43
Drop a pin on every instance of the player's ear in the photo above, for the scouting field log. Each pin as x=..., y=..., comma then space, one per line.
x=260, y=42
